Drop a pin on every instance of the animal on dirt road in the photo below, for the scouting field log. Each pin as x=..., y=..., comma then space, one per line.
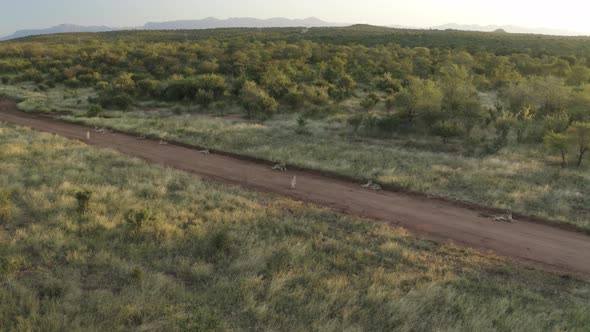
x=501, y=217
x=372, y=186
x=280, y=167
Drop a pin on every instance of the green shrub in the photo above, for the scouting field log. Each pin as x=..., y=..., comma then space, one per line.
x=370, y=101
x=257, y=102
x=94, y=111
x=356, y=121
x=138, y=218
x=204, y=97
x=221, y=245
x=10, y=264
x=83, y=201
x=6, y=205
x=390, y=122
x=301, y=125
x=446, y=131
x=73, y=83
x=115, y=99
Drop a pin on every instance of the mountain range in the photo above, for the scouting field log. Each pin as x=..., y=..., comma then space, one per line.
x=278, y=22
x=207, y=23
x=506, y=28
x=62, y=28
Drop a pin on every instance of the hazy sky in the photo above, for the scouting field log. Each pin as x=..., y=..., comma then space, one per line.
x=562, y=14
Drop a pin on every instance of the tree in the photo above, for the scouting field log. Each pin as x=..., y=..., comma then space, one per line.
x=421, y=96
x=579, y=135
x=94, y=111
x=386, y=82
x=276, y=81
x=209, y=85
x=370, y=101
x=579, y=75
x=204, y=97
x=257, y=102
x=211, y=82
x=460, y=97
x=346, y=82
x=125, y=83
x=555, y=142
x=551, y=94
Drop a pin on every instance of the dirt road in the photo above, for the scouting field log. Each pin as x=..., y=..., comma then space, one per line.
x=538, y=244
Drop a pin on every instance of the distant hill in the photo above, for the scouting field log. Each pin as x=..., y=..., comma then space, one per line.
x=238, y=22
x=505, y=28
x=207, y=23
x=499, y=31
x=63, y=28
x=277, y=22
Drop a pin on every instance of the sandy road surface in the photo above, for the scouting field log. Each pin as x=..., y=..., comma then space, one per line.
x=538, y=244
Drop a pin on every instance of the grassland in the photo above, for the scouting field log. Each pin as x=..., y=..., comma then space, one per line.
x=522, y=178
x=209, y=257
x=48, y=100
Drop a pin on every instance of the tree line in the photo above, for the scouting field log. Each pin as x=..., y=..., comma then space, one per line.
x=400, y=81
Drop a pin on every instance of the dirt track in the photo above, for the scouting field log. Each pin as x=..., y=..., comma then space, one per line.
x=538, y=244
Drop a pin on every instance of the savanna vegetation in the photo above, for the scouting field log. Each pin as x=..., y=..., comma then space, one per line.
x=92, y=240
x=496, y=119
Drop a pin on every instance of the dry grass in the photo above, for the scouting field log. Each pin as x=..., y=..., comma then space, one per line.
x=518, y=178
x=212, y=257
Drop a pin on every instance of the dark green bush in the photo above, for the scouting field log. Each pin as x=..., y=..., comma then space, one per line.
x=114, y=99
x=94, y=111
x=6, y=205
x=83, y=201
x=138, y=218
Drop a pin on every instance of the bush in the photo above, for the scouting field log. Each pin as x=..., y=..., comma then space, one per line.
x=370, y=101
x=204, y=97
x=221, y=244
x=301, y=125
x=386, y=82
x=257, y=102
x=114, y=99
x=138, y=218
x=83, y=201
x=32, y=75
x=315, y=95
x=370, y=122
x=390, y=122
x=556, y=142
x=94, y=111
x=446, y=130
x=73, y=83
x=148, y=87
x=356, y=121
x=6, y=206
x=190, y=89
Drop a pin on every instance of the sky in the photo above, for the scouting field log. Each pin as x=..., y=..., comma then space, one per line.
x=563, y=14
